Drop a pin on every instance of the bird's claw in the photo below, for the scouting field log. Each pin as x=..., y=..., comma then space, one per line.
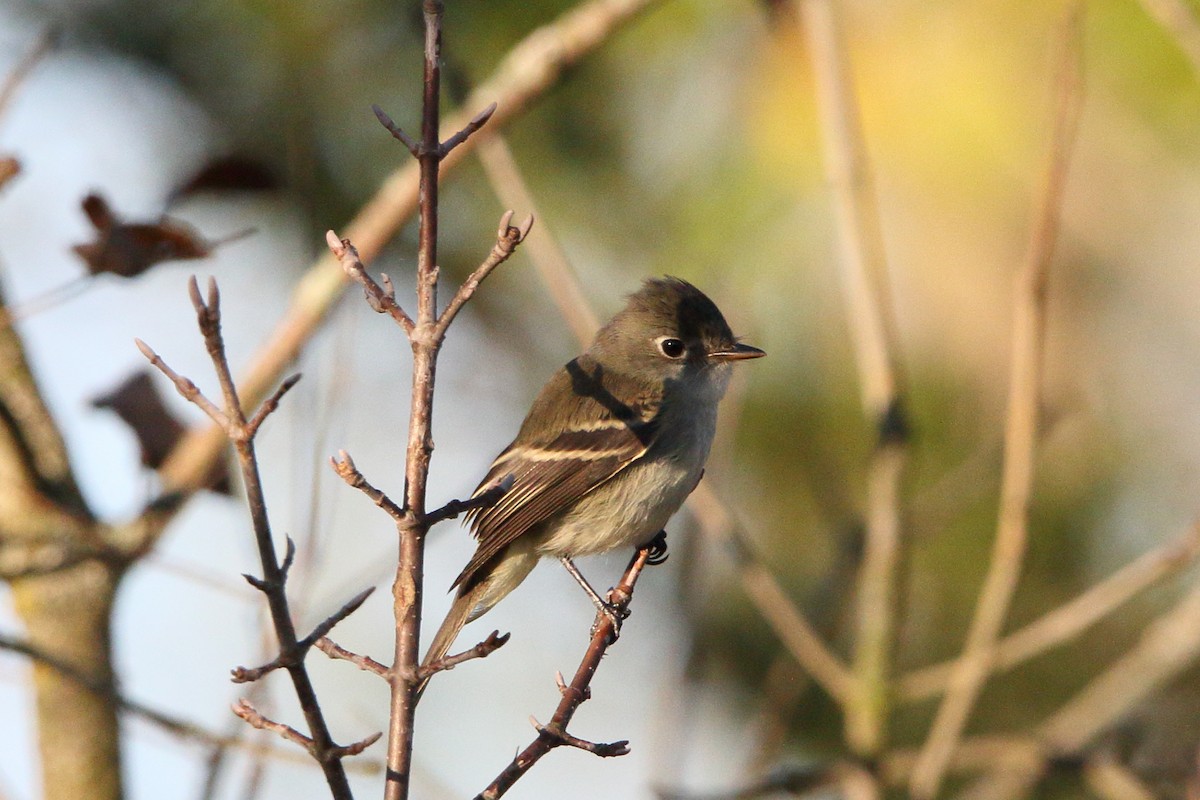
x=657, y=548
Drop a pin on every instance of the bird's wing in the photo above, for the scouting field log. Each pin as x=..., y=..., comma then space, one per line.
x=548, y=477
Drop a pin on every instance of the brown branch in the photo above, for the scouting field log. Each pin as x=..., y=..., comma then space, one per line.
x=365, y=663
x=273, y=583
x=410, y=567
x=477, y=122
x=491, y=644
x=396, y=131
x=456, y=507
x=869, y=310
x=507, y=239
x=1072, y=618
x=270, y=405
x=256, y=719
x=187, y=389
x=1020, y=435
x=574, y=694
x=381, y=299
x=349, y=473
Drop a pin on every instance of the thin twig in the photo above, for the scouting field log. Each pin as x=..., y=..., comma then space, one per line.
x=574, y=694
x=507, y=239
x=343, y=465
x=482, y=500
x=1020, y=435
x=869, y=310
x=396, y=131
x=365, y=663
x=477, y=122
x=186, y=388
x=381, y=299
x=491, y=644
x=270, y=405
x=1072, y=618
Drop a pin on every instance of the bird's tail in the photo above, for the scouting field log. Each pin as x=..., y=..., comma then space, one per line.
x=460, y=612
x=487, y=587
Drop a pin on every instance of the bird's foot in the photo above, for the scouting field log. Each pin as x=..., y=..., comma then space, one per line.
x=658, y=549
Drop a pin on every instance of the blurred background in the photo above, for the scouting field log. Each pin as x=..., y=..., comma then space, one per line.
x=687, y=145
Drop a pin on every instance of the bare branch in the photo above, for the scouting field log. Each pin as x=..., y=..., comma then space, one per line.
x=328, y=624
x=188, y=389
x=1020, y=437
x=256, y=720
x=365, y=663
x=559, y=737
x=491, y=644
x=396, y=131
x=477, y=122
x=349, y=473
x=507, y=239
x=382, y=300
x=555, y=733
x=354, y=748
x=270, y=405
x=482, y=500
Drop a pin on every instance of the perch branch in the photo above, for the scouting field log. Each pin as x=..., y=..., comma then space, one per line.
x=574, y=694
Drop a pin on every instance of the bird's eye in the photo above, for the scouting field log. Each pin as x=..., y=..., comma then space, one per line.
x=671, y=347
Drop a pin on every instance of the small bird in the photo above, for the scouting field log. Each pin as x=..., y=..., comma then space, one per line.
x=613, y=444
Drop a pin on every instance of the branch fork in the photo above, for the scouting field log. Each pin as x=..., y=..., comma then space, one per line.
x=257, y=719
x=292, y=650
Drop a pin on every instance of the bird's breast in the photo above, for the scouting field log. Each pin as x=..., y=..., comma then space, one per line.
x=633, y=506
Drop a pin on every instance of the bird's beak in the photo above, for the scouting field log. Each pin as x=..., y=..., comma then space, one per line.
x=739, y=352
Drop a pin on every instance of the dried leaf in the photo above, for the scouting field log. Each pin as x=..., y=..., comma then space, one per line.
x=129, y=249
x=141, y=407
x=231, y=173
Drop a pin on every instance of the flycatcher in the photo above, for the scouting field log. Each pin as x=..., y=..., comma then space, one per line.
x=611, y=447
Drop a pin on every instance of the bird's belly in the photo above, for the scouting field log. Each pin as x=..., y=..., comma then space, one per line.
x=627, y=511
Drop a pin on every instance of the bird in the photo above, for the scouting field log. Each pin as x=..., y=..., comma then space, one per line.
x=611, y=447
